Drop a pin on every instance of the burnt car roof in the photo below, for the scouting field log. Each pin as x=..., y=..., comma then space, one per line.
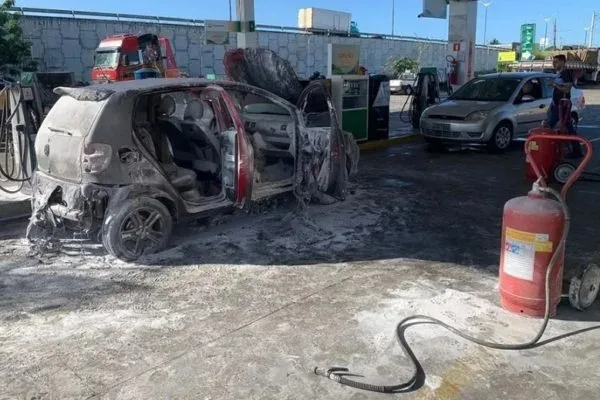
x=101, y=91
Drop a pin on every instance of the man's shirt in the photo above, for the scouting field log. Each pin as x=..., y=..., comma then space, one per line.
x=565, y=76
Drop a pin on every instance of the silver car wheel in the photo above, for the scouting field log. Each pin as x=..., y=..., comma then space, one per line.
x=502, y=137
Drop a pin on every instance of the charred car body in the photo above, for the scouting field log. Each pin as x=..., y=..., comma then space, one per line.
x=128, y=159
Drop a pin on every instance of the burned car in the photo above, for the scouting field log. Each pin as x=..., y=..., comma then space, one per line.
x=128, y=159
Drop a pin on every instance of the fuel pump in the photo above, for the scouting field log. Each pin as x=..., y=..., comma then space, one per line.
x=426, y=93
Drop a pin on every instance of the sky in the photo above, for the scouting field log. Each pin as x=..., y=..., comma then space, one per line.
x=503, y=20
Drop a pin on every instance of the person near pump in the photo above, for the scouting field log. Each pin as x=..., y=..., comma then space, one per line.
x=561, y=97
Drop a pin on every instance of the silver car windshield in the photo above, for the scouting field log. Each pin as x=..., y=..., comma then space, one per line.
x=487, y=89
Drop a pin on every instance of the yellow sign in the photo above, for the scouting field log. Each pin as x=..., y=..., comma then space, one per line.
x=541, y=241
x=507, y=56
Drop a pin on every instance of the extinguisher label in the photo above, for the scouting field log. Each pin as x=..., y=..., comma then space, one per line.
x=519, y=252
x=541, y=241
x=519, y=258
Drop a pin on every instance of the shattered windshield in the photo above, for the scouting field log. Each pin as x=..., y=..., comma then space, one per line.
x=106, y=59
x=487, y=89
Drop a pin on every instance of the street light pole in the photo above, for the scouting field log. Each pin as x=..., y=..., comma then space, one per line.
x=393, y=12
x=230, y=16
x=486, y=5
x=592, y=28
x=546, y=33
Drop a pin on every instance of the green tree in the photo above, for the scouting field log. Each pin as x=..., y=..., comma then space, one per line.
x=494, y=41
x=14, y=50
x=401, y=65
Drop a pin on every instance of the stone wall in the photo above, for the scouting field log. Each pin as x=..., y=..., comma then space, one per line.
x=68, y=44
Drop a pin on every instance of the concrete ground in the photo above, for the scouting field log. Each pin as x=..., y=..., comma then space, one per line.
x=247, y=305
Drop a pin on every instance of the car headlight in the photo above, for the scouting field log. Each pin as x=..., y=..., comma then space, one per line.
x=477, y=116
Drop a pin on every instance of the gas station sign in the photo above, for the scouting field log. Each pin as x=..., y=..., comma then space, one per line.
x=527, y=40
x=435, y=9
x=217, y=32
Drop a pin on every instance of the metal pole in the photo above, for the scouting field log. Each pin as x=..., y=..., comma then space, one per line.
x=230, y=15
x=546, y=34
x=393, y=12
x=486, y=5
x=592, y=27
x=554, y=39
x=585, y=41
x=485, y=27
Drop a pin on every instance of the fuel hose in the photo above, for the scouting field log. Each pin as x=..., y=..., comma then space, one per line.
x=14, y=155
x=341, y=375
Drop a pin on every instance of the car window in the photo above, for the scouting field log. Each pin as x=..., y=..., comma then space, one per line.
x=547, y=87
x=131, y=58
x=532, y=87
x=487, y=89
x=71, y=116
x=106, y=59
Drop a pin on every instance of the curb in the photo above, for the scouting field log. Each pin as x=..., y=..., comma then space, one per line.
x=385, y=143
x=15, y=209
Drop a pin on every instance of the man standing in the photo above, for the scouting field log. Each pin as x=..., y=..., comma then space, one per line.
x=561, y=97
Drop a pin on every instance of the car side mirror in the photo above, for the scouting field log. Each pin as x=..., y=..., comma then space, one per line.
x=527, y=99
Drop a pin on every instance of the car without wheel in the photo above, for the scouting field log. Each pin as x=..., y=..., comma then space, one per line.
x=494, y=110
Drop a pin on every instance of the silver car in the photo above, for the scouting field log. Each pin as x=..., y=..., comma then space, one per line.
x=494, y=110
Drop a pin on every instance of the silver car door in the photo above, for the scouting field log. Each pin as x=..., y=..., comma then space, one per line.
x=529, y=114
x=542, y=103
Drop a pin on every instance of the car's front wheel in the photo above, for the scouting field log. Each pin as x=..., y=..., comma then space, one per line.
x=136, y=227
x=501, y=138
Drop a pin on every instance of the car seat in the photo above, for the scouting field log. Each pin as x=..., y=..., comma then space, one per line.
x=165, y=110
x=183, y=151
x=197, y=120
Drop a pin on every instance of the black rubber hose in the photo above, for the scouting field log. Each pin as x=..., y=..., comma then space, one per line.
x=19, y=152
x=340, y=374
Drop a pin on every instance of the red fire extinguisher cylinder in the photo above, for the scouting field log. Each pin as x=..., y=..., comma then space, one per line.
x=532, y=228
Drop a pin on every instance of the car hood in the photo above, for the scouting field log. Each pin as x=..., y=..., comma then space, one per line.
x=461, y=108
x=263, y=68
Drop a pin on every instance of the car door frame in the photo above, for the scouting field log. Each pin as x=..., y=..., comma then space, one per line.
x=527, y=114
x=336, y=178
x=243, y=153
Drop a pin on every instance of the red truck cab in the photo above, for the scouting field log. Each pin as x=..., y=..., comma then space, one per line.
x=118, y=57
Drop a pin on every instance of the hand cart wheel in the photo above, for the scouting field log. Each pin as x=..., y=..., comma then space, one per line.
x=584, y=287
x=563, y=171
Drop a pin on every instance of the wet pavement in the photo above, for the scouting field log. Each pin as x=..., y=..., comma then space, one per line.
x=245, y=306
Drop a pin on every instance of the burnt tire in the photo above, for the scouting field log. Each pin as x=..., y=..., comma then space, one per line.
x=136, y=227
x=501, y=138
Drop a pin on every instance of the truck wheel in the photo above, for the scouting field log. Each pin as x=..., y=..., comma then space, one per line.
x=501, y=138
x=136, y=227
